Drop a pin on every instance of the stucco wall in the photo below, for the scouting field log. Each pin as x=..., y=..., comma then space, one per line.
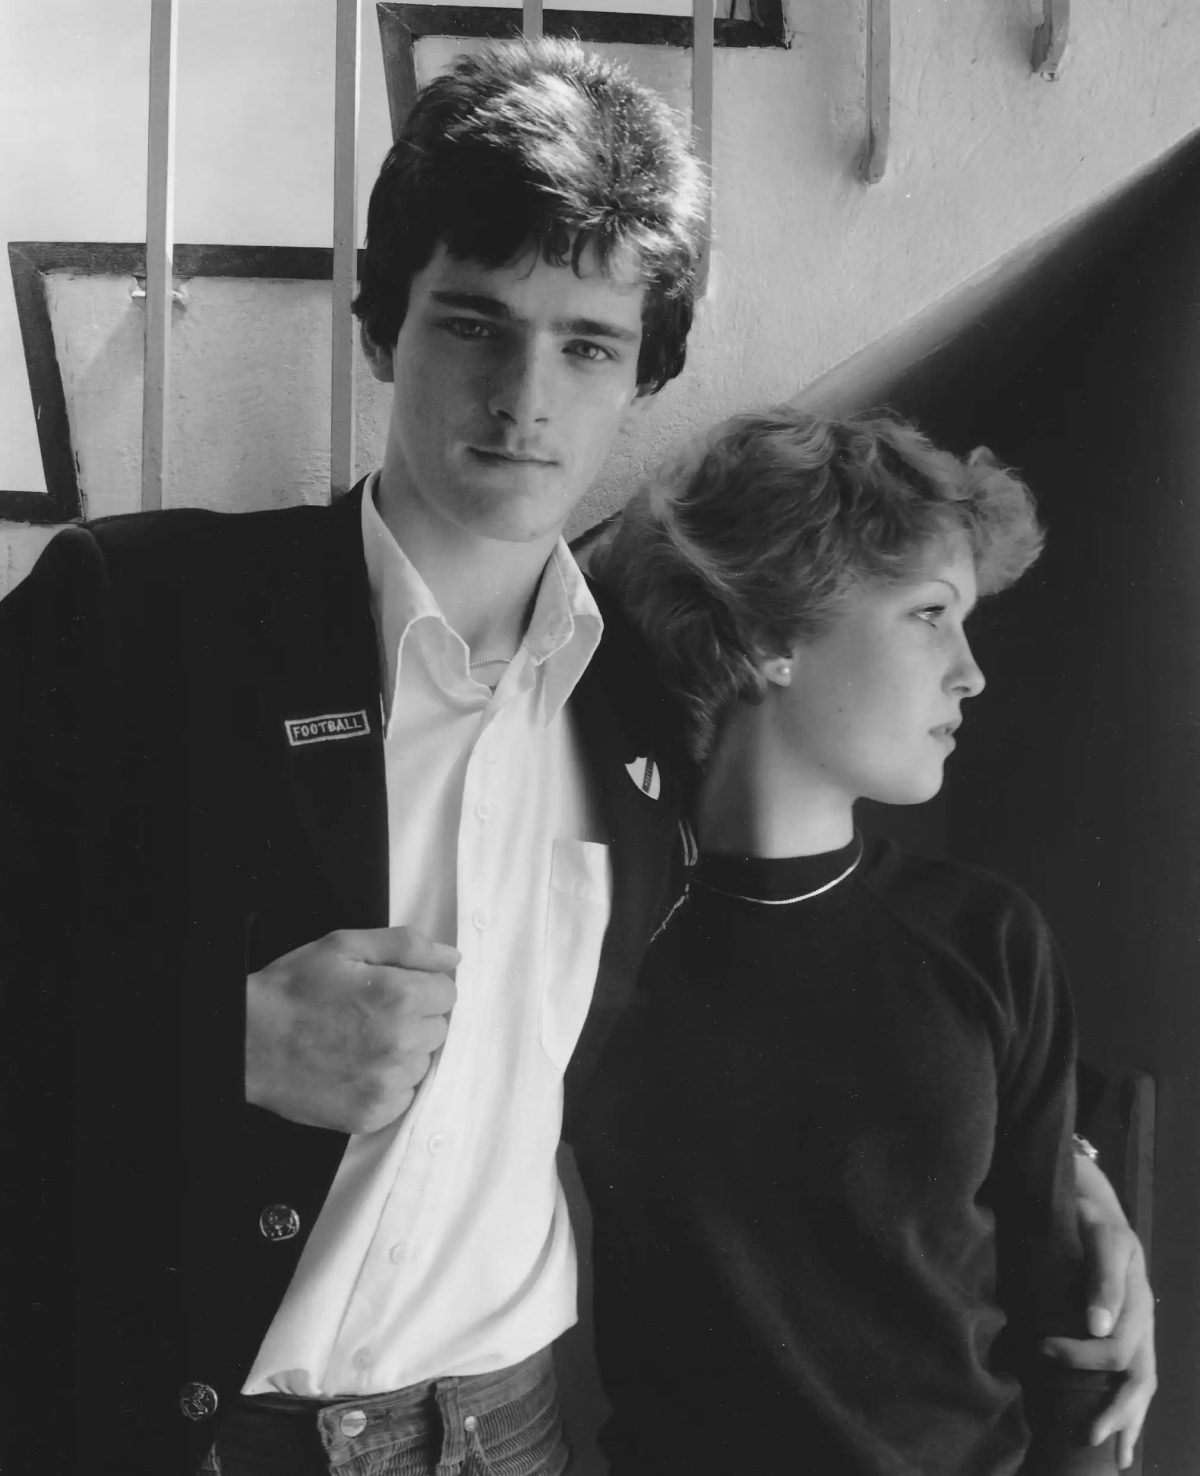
x=809, y=266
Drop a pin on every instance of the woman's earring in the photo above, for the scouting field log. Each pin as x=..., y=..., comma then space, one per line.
x=777, y=670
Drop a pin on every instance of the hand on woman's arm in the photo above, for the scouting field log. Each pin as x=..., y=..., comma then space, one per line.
x=1120, y=1311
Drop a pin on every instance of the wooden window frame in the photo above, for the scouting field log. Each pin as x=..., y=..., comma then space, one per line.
x=32, y=261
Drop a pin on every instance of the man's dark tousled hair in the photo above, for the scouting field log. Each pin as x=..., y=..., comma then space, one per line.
x=541, y=144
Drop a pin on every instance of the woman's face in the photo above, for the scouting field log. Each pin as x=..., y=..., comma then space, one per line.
x=870, y=706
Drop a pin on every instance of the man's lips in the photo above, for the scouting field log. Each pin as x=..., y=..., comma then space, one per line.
x=947, y=730
x=511, y=458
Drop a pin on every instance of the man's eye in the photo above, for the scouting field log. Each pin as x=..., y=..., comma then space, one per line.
x=930, y=613
x=468, y=328
x=593, y=353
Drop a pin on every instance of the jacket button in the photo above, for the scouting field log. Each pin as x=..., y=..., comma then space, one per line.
x=198, y=1401
x=279, y=1222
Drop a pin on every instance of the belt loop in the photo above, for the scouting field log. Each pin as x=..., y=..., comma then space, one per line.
x=454, y=1444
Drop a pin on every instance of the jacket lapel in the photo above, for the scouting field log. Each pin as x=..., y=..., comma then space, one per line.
x=321, y=710
x=624, y=720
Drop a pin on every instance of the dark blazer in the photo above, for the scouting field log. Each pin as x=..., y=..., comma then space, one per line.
x=159, y=838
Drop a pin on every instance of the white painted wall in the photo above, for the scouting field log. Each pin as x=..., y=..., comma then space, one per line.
x=809, y=267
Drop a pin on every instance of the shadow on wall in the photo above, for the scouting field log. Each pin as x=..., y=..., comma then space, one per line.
x=1082, y=782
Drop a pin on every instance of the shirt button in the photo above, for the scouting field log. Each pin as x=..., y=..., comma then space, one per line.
x=436, y=1142
x=483, y=810
x=479, y=919
x=470, y=1423
x=353, y=1423
x=398, y=1253
x=362, y=1360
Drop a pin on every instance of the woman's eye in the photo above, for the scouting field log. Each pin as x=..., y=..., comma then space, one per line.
x=930, y=613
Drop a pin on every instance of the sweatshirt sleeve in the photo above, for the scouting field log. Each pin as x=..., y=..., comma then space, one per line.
x=1041, y=1281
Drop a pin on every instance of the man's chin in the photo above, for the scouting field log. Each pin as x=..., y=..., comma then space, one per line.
x=504, y=533
x=519, y=518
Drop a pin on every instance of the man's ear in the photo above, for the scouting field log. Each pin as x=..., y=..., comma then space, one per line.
x=378, y=357
x=637, y=408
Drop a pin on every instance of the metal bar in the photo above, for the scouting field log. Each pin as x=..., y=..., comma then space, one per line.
x=160, y=248
x=345, y=236
x=531, y=19
x=879, y=88
x=703, y=27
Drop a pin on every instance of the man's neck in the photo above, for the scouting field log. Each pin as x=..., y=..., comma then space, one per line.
x=485, y=587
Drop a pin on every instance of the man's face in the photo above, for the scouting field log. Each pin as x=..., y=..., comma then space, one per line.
x=511, y=384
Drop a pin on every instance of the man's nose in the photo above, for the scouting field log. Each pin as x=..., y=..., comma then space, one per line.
x=522, y=390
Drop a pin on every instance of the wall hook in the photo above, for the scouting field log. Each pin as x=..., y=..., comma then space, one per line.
x=137, y=292
x=1050, y=38
x=879, y=89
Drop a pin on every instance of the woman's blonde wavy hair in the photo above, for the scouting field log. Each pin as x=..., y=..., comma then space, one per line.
x=753, y=539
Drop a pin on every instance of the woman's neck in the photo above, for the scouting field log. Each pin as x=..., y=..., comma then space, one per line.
x=752, y=802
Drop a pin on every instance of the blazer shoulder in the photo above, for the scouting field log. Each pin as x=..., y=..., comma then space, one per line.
x=623, y=670
x=188, y=535
x=220, y=561
x=156, y=576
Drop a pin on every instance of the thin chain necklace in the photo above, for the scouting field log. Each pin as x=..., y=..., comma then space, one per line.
x=784, y=901
x=490, y=661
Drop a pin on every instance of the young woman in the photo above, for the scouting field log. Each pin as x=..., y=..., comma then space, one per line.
x=830, y=1158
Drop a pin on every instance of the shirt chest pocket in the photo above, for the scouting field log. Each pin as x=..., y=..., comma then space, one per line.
x=577, y=915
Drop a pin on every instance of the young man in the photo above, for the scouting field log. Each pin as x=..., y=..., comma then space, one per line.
x=297, y=801
x=270, y=768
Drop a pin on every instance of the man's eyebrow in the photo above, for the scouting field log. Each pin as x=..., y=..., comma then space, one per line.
x=475, y=302
x=500, y=312
x=597, y=328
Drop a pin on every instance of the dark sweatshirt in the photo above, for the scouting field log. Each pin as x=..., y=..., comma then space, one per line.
x=829, y=1161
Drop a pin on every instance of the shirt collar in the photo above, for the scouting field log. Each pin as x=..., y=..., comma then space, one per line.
x=564, y=630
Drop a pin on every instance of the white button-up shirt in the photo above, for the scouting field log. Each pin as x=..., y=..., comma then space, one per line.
x=444, y=1246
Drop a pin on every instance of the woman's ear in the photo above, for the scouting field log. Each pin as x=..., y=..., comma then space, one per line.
x=378, y=357
x=777, y=670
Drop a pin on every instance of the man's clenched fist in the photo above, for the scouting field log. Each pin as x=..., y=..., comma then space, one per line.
x=341, y=1032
